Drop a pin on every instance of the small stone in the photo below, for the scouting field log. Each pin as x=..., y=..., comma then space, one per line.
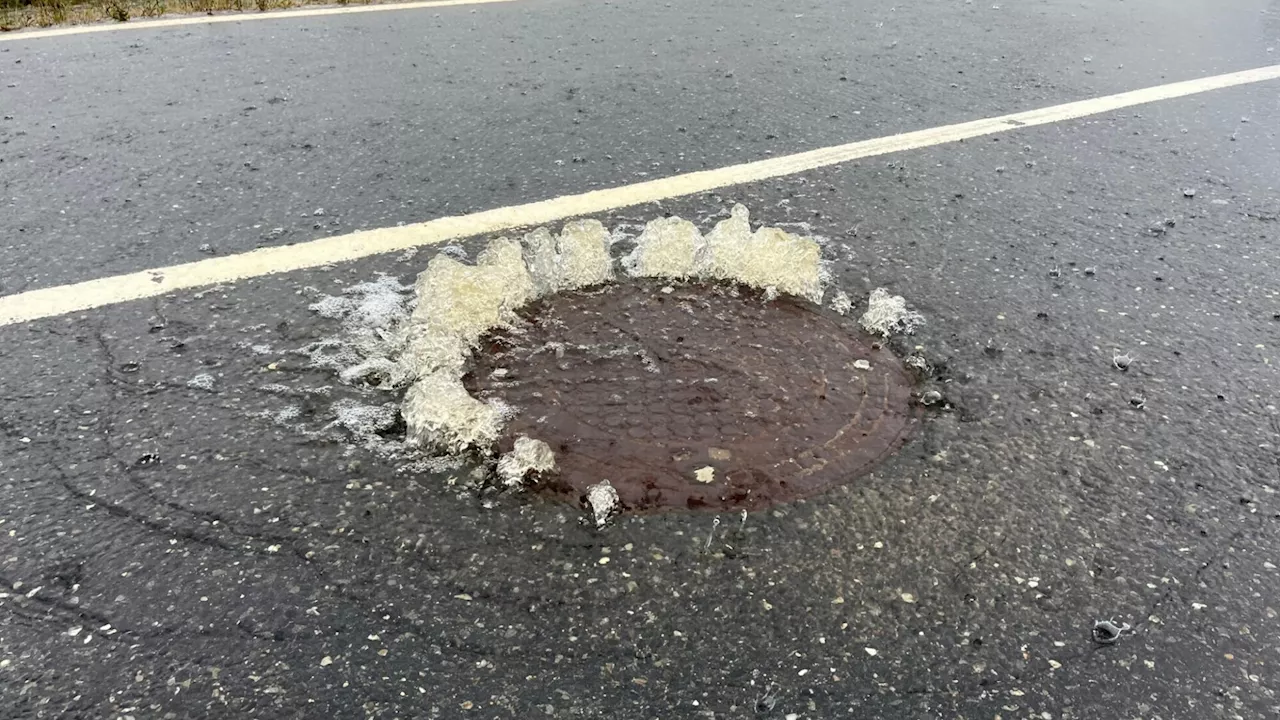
x=705, y=475
x=318, y=212
x=861, y=365
x=1189, y=192
x=908, y=598
x=326, y=661
x=871, y=651
x=603, y=500
x=274, y=234
x=1106, y=632
x=203, y=381
x=147, y=460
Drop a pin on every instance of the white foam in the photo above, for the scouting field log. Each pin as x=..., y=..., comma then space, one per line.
x=365, y=421
x=529, y=456
x=767, y=258
x=888, y=314
x=668, y=247
x=578, y=257
x=379, y=372
x=841, y=303
x=457, y=303
x=543, y=260
x=584, y=255
x=374, y=322
x=440, y=414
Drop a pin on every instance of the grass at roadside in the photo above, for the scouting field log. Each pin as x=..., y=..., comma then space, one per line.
x=20, y=14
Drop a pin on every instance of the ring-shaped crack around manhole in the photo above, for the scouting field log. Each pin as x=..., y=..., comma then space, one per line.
x=695, y=396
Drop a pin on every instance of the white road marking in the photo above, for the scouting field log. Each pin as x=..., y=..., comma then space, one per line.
x=233, y=18
x=64, y=299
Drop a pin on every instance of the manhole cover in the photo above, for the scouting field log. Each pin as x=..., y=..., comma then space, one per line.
x=695, y=397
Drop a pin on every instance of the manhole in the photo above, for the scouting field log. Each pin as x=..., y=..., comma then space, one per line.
x=695, y=396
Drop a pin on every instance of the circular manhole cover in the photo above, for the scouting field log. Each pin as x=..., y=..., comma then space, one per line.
x=695, y=397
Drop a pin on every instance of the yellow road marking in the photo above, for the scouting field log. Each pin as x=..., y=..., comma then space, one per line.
x=234, y=17
x=54, y=301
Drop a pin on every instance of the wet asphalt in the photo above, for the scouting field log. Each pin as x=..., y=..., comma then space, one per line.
x=220, y=549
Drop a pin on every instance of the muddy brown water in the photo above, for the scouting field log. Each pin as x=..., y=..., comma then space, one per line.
x=696, y=397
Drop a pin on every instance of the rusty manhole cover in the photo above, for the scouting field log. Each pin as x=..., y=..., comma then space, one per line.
x=695, y=397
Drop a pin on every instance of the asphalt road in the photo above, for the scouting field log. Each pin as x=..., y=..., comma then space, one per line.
x=169, y=550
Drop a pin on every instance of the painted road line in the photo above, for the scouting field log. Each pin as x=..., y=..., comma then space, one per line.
x=64, y=299
x=236, y=17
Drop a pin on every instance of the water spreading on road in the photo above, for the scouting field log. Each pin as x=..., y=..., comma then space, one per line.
x=424, y=340
x=374, y=325
x=458, y=303
x=366, y=423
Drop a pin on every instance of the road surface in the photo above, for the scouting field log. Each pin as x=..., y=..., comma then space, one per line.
x=171, y=549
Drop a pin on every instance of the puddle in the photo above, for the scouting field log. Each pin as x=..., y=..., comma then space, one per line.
x=704, y=398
